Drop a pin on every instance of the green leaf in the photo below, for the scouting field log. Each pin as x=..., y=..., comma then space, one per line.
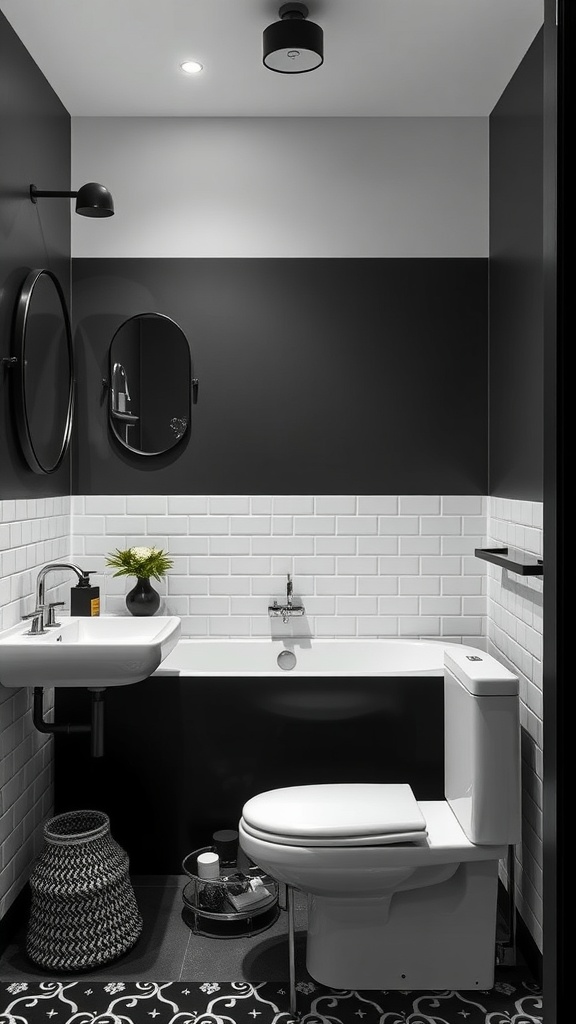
x=130, y=563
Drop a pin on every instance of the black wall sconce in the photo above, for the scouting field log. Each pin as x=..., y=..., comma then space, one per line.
x=293, y=45
x=92, y=200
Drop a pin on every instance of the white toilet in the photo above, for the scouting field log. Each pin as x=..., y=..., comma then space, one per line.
x=403, y=894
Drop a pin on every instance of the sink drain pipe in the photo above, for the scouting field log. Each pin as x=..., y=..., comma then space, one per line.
x=96, y=727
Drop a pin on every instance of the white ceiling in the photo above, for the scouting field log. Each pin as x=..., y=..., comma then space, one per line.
x=383, y=58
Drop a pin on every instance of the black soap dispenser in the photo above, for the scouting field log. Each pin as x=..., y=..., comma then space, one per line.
x=85, y=598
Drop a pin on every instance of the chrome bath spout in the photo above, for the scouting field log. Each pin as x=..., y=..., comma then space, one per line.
x=287, y=610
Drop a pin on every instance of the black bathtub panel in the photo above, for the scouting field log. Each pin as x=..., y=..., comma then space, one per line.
x=182, y=755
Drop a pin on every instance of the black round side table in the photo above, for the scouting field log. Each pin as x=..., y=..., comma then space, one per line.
x=208, y=907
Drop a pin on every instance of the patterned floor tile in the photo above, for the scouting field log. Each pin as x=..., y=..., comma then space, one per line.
x=515, y=999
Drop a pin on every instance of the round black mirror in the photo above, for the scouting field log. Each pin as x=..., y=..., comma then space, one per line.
x=150, y=384
x=44, y=371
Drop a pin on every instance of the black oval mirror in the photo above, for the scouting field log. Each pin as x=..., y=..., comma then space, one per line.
x=44, y=371
x=150, y=384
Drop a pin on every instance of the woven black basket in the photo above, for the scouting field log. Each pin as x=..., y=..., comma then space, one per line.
x=83, y=912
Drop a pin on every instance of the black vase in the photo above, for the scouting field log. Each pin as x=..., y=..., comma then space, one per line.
x=142, y=599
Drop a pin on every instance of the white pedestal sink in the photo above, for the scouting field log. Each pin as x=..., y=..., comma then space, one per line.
x=107, y=650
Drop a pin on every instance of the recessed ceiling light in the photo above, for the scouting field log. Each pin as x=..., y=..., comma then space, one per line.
x=191, y=67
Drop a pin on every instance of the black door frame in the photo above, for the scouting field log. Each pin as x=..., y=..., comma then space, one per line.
x=559, y=108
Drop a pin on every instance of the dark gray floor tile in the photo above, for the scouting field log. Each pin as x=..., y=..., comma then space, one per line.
x=168, y=950
x=158, y=954
x=256, y=958
x=164, y=881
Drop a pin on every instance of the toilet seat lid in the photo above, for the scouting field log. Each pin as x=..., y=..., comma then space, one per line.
x=347, y=810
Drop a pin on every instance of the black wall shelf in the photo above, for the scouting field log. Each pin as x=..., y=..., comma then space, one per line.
x=513, y=559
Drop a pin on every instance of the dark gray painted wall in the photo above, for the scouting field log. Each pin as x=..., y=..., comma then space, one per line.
x=316, y=375
x=516, y=284
x=35, y=147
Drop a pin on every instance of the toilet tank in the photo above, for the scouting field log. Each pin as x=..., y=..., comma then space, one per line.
x=482, y=746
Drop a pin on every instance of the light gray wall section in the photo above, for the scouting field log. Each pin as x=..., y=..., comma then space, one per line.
x=284, y=187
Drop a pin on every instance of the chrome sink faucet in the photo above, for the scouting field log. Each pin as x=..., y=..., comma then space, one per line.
x=287, y=610
x=41, y=605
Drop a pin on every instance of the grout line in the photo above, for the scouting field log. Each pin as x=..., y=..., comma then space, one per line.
x=180, y=978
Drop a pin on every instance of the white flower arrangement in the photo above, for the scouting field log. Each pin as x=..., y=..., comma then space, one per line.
x=140, y=561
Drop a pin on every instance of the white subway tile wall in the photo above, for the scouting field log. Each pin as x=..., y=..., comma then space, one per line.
x=369, y=565
x=32, y=532
x=515, y=638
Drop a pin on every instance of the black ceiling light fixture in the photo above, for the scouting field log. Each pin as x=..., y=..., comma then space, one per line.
x=92, y=200
x=293, y=45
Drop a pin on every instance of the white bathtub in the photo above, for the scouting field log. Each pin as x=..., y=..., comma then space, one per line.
x=255, y=657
